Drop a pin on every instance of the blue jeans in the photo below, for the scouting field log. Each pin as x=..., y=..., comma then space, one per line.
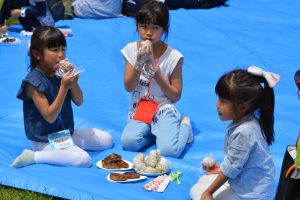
x=167, y=131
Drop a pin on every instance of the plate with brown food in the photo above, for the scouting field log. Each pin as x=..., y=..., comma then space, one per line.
x=114, y=162
x=9, y=40
x=123, y=177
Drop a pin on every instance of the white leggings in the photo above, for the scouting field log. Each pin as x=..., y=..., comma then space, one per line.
x=223, y=193
x=87, y=139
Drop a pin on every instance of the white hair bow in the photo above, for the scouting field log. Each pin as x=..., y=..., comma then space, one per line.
x=271, y=78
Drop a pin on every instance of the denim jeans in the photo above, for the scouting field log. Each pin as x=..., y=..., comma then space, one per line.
x=167, y=131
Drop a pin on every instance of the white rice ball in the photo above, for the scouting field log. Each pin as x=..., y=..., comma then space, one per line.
x=149, y=170
x=163, y=161
x=138, y=158
x=140, y=166
x=162, y=165
x=146, y=43
x=150, y=160
x=156, y=154
x=208, y=162
x=162, y=168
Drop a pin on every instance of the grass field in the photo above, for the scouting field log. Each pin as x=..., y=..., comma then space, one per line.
x=9, y=193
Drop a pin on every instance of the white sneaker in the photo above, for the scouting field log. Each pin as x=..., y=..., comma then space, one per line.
x=186, y=120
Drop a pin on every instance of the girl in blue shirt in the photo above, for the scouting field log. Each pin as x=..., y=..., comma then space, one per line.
x=247, y=98
x=47, y=108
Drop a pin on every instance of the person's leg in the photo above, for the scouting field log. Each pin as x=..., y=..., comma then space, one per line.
x=136, y=135
x=43, y=154
x=171, y=134
x=68, y=9
x=92, y=139
x=29, y=24
x=72, y=156
x=24, y=159
x=223, y=193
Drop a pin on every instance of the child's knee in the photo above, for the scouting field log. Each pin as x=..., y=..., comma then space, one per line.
x=196, y=191
x=129, y=143
x=170, y=151
x=107, y=141
x=83, y=160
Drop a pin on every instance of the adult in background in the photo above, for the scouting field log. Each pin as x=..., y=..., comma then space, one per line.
x=30, y=13
x=92, y=9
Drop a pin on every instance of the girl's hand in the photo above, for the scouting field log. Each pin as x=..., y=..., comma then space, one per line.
x=15, y=13
x=69, y=81
x=151, y=68
x=206, y=196
x=144, y=55
x=213, y=170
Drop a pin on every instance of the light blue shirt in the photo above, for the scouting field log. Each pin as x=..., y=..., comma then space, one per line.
x=97, y=9
x=248, y=162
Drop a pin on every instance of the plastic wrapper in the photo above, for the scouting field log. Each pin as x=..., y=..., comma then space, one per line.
x=145, y=61
x=66, y=68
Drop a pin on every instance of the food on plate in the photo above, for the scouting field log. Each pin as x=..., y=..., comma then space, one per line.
x=151, y=164
x=123, y=176
x=9, y=40
x=117, y=177
x=114, y=161
x=132, y=175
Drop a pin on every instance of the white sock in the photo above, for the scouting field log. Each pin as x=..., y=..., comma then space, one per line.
x=186, y=120
x=24, y=159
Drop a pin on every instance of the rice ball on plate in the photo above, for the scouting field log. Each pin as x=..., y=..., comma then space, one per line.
x=151, y=170
x=138, y=158
x=140, y=166
x=150, y=160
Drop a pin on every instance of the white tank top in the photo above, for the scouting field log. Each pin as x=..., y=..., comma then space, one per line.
x=167, y=63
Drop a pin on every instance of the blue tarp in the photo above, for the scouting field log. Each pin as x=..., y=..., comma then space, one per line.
x=264, y=33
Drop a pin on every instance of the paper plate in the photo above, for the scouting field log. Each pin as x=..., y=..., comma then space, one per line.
x=4, y=38
x=130, y=165
x=150, y=174
x=128, y=180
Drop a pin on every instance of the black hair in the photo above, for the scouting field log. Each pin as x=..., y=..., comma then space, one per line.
x=45, y=37
x=154, y=12
x=242, y=88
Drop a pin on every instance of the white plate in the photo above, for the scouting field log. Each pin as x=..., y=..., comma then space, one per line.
x=2, y=39
x=130, y=165
x=150, y=174
x=128, y=180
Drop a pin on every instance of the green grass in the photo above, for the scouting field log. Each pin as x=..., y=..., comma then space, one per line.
x=11, y=21
x=9, y=193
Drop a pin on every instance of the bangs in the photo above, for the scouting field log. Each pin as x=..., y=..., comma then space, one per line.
x=223, y=89
x=146, y=16
x=55, y=38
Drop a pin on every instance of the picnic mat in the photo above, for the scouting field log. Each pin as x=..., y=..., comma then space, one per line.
x=214, y=41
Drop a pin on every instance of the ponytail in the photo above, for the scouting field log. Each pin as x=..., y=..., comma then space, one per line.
x=266, y=113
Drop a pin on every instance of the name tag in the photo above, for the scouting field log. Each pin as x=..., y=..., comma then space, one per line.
x=60, y=140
